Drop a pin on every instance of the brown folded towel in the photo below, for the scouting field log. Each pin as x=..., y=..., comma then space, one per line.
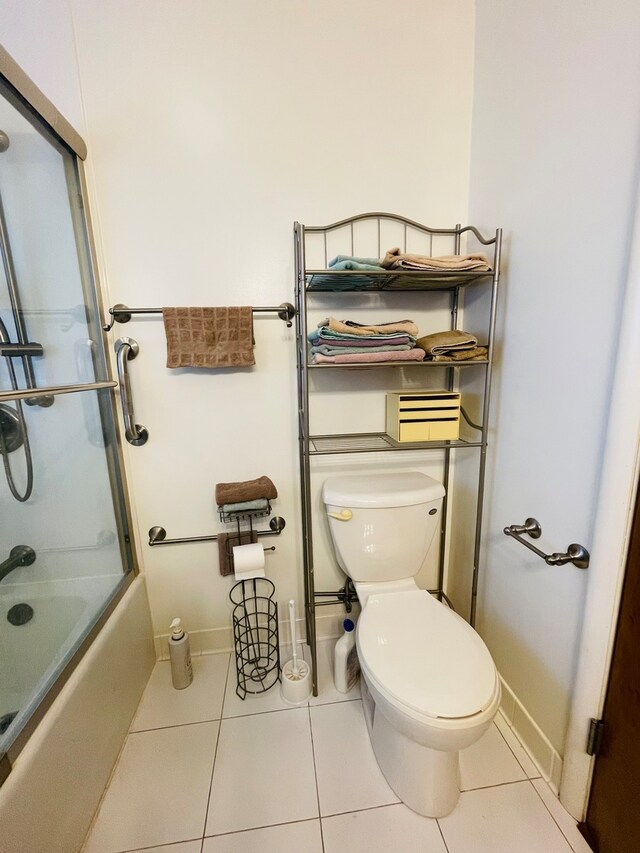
x=475, y=354
x=226, y=544
x=247, y=490
x=209, y=337
x=350, y=327
x=441, y=343
x=395, y=259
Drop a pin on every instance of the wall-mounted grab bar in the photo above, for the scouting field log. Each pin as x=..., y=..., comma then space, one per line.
x=157, y=535
x=121, y=314
x=127, y=349
x=576, y=554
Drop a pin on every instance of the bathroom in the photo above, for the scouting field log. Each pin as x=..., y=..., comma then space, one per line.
x=210, y=129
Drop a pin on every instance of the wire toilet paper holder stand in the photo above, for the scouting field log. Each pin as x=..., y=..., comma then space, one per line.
x=255, y=635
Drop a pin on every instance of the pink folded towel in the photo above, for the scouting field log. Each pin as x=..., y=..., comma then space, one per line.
x=368, y=357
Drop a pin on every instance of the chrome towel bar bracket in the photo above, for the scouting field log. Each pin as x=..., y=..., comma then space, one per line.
x=157, y=535
x=576, y=554
x=126, y=350
x=122, y=314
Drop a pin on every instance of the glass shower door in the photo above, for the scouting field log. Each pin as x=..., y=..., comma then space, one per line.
x=65, y=550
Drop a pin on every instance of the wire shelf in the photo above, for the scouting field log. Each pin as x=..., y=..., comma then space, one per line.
x=374, y=442
x=336, y=281
x=231, y=517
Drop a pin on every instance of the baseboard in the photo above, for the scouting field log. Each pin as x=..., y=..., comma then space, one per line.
x=543, y=754
x=213, y=640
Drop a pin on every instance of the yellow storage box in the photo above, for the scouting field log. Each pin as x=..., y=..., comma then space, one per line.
x=423, y=415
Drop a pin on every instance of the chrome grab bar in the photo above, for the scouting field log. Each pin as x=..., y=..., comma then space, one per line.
x=158, y=535
x=126, y=350
x=576, y=554
x=21, y=555
x=54, y=390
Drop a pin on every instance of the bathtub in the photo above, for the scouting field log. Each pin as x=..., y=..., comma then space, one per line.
x=56, y=782
x=33, y=651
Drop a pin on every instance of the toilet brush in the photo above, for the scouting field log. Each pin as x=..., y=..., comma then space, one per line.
x=296, y=673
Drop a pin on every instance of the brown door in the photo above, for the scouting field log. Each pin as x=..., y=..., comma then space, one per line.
x=612, y=824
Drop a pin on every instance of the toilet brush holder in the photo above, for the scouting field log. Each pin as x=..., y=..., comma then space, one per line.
x=295, y=685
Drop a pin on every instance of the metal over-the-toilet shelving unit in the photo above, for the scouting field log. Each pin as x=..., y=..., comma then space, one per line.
x=321, y=281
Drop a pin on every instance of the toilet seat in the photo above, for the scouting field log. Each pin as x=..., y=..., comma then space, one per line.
x=424, y=657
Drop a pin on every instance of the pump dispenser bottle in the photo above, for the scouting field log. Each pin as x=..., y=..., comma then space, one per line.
x=180, y=656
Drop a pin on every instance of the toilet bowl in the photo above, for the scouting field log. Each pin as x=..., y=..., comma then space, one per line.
x=430, y=685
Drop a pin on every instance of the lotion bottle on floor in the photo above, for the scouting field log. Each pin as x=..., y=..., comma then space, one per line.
x=180, y=656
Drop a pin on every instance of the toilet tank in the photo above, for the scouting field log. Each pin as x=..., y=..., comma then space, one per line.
x=382, y=524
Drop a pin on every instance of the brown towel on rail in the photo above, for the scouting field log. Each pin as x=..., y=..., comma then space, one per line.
x=442, y=343
x=395, y=259
x=209, y=337
x=247, y=490
x=226, y=544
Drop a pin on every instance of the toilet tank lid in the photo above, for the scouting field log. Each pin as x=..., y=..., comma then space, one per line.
x=381, y=490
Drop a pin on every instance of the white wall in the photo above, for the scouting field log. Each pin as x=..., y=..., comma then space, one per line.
x=210, y=128
x=554, y=161
x=39, y=36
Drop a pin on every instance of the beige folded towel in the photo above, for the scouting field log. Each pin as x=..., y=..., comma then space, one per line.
x=350, y=327
x=475, y=354
x=395, y=259
x=209, y=337
x=226, y=544
x=246, y=490
x=441, y=343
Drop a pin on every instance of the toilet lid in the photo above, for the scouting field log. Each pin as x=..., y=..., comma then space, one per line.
x=424, y=656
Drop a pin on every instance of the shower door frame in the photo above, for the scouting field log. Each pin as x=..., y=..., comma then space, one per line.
x=35, y=104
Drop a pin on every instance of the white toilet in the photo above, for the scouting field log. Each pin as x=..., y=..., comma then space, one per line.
x=430, y=685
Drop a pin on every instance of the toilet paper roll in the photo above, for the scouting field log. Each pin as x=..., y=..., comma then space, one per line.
x=248, y=561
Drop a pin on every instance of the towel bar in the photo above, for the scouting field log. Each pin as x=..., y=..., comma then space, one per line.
x=576, y=554
x=121, y=314
x=157, y=535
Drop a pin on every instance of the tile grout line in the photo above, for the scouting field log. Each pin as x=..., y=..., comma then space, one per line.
x=444, y=840
x=166, y=844
x=290, y=708
x=315, y=777
x=252, y=829
x=553, y=817
x=215, y=755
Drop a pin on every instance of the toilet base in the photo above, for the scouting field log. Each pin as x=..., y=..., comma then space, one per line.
x=426, y=780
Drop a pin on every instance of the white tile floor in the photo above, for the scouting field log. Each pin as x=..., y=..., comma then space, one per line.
x=203, y=772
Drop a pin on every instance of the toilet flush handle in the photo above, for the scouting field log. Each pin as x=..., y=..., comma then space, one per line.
x=343, y=515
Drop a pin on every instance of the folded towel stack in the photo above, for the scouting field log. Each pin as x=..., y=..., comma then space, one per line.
x=394, y=261
x=247, y=495
x=348, y=342
x=452, y=345
x=397, y=260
